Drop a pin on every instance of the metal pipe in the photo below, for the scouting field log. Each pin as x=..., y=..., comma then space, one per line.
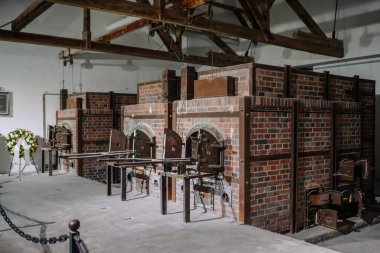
x=44, y=111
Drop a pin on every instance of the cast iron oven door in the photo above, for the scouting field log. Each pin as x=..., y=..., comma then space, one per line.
x=142, y=145
x=59, y=137
x=118, y=142
x=206, y=148
x=172, y=144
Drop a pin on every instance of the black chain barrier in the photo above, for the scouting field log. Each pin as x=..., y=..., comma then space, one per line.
x=79, y=246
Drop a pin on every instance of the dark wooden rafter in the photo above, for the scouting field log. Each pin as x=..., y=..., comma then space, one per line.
x=250, y=17
x=30, y=14
x=330, y=47
x=261, y=15
x=166, y=38
x=226, y=7
x=56, y=41
x=118, y=32
x=169, y=43
x=241, y=19
x=86, y=34
x=306, y=18
x=220, y=43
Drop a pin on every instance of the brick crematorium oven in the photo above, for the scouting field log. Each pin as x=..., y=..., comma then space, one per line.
x=273, y=132
x=90, y=116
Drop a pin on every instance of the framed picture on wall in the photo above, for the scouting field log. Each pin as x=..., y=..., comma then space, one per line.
x=4, y=103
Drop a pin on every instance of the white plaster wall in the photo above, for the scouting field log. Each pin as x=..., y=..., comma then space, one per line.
x=28, y=71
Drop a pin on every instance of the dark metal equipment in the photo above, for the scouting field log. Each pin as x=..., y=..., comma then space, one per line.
x=203, y=165
x=58, y=138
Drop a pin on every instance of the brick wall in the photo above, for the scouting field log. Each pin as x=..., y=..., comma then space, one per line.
x=269, y=81
x=72, y=100
x=91, y=125
x=205, y=112
x=307, y=85
x=270, y=130
x=166, y=89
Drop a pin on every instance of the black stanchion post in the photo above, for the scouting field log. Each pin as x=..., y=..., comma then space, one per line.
x=109, y=180
x=73, y=226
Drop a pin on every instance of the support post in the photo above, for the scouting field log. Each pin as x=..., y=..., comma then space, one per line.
x=123, y=184
x=188, y=75
x=244, y=161
x=287, y=80
x=109, y=180
x=74, y=225
x=333, y=147
x=326, y=83
x=43, y=162
x=293, y=173
x=164, y=195
x=186, y=200
x=356, y=88
x=50, y=165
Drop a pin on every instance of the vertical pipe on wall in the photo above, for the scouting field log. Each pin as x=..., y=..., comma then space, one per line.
x=44, y=111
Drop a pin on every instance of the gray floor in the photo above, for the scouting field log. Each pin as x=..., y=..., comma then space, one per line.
x=44, y=205
x=365, y=241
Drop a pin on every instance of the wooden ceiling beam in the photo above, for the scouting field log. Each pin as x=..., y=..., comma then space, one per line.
x=329, y=47
x=78, y=44
x=220, y=43
x=227, y=7
x=250, y=17
x=29, y=14
x=259, y=17
x=86, y=34
x=118, y=32
x=170, y=44
x=306, y=18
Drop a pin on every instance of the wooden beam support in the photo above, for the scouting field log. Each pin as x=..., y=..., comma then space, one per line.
x=227, y=7
x=31, y=13
x=244, y=162
x=293, y=172
x=219, y=60
x=161, y=6
x=326, y=84
x=241, y=19
x=220, y=43
x=86, y=35
x=232, y=59
x=260, y=20
x=306, y=18
x=118, y=32
x=328, y=47
x=250, y=17
x=333, y=149
x=287, y=81
x=166, y=38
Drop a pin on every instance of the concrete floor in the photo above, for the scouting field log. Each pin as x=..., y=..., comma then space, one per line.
x=43, y=205
x=365, y=241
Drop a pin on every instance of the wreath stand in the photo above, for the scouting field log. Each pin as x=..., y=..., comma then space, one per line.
x=16, y=159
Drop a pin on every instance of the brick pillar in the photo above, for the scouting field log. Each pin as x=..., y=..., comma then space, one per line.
x=188, y=75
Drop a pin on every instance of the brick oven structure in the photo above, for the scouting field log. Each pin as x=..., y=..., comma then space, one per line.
x=282, y=129
x=90, y=116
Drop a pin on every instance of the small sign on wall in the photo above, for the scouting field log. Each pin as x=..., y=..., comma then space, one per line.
x=5, y=98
